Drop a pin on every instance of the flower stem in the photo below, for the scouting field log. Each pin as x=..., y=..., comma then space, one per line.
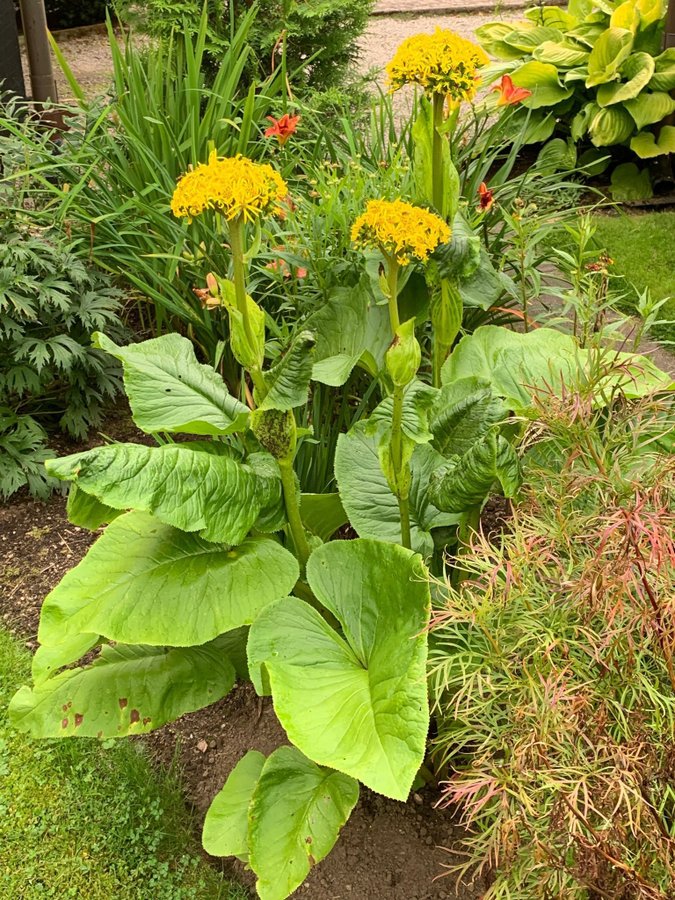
x=392, y=281
x=397, y=461
x=236, y=228
x=292, y=504
x=437, y=154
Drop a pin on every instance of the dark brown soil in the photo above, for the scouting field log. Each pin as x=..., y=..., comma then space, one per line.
x=387, y=850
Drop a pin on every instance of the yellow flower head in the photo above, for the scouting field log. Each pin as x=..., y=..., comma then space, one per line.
x=234, y=185
x=399, y=230
x=442, y=63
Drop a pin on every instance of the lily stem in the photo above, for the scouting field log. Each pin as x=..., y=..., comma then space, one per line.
x=292, y=504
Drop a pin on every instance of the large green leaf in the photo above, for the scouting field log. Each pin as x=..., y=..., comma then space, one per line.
x=226, y=824
x=126, y=690
x=88, y=512
x=491, y=37
x=518, y=366
x=296, y=814
x=629, y=183
x=638, y=69
x=646, y=145
x=650, y=108
x=663, y=78
x=340, y=329
x=544, y=82
x=148, y=583
x=49, y=658
x=418, y=398
x=527, y=39
x=322, y=514
x=465, y=482
x=368, y=500
x=560, y=54
x=288, y=381
x=357, y=703
x=557, y=155
x=611, y=125
x=183, y=485
x=169, y=390
x=610, y=51
x=461, y=256
x=464, y=411
x=483, y=288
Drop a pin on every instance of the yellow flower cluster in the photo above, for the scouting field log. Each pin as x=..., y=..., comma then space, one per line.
x=442, y=63
x=234, y=185
x=399, y=230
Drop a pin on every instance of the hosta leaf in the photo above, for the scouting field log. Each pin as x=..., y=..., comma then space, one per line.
x=626, y=16
x=226, y=824
x=322, y=514
x=357, y=703
x=663, y=78
x=126, y=690
x=527, y=39
x=88, y=512
x=188, y=488
x=649, y=109
x=464, y=411
x=638, y=69
x=646, y=145
x=367, y=498
x=148, y=583
x=610, y=51
x=586, y=33
x=466, y=482
x=169, y=390
x=629, y=183
x=611, y=125
x=557, y=155
x=651, y=11
x=491, y=38
x=288, y=381
x=295, y=817
x=340, y=329
x=544, y=82
x=562, y=55
x=582, y=121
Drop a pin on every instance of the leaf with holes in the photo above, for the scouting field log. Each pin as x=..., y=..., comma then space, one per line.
x=126, y=690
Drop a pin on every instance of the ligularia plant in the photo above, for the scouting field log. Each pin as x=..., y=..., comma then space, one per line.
x=214, y=566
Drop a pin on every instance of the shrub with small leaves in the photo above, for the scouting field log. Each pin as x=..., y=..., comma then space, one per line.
x=50, y=377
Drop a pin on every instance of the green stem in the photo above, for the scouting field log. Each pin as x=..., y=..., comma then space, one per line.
x=397, y=460
x=292, y=504
x=392, y=281
x=465, y=531
x=239, y=266
x=437, y=154
x=438, y=354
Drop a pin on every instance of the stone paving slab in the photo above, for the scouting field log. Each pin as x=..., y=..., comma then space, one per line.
x=452, y=7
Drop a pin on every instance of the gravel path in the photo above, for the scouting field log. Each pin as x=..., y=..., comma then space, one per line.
x=88, y=54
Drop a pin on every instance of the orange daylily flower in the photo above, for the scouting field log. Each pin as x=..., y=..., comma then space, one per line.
x=282, y=128
x=486, y=198
x=509, y=94
x=282, y=267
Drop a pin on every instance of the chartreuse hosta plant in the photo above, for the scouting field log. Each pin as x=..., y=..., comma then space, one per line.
x=214, y=567
x=597, y=75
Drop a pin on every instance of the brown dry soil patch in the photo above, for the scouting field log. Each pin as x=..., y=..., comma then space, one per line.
x=387, y=850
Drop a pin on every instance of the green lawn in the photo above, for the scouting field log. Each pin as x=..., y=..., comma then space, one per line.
x=643, y=250
x=82, y=821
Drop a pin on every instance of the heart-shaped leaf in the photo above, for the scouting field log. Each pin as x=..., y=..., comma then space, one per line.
x=146, y=582
x=663, y=78
x=226, y=824
x=629, y=183
x=295, y=817
x=649, y=109
x=638, y=69
x=560, y=54
x=193, y=487
x=611, y=125
x=544, y=82
x=646, y=145
x=126, y=690
x=357, y=703
x=610, y=51
x=340, y=329
x=169, y=390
